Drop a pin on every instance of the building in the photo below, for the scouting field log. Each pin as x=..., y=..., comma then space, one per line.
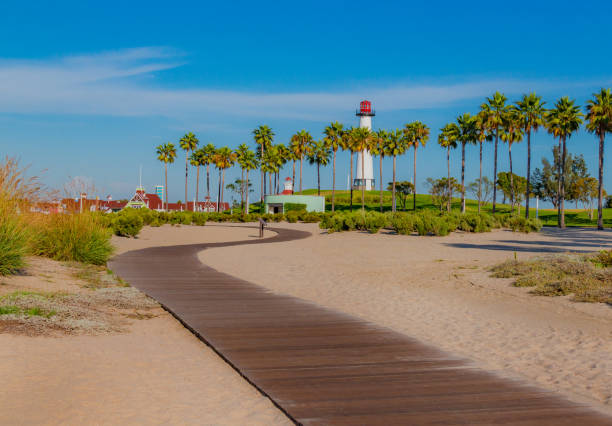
x=276, y=203
x=365, y=114
x=159, y=190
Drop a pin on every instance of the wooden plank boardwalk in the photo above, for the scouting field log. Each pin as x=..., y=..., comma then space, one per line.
x=325, y=367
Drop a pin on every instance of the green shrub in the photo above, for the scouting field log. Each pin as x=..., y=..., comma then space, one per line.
x=127, y=224
x=520, y=224
x=403, y=224
x=290, y=207
x=292, y=217
x=199, y=219
x=14, y=239
x=310, y=218
x=73, y=237
x=374, y=221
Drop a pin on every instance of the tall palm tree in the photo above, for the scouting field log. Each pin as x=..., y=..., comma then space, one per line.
x=166, y=153
x=398, y=144
x=531, y=109
x=318, y=154
x=599, y=121
x=482, y=134
x=494, y=108
x=197, y=159
x=300, y=143
x=208, y=152
x=448, y=137
x=224, y=159
x=333, y=136
x=562, y=121
x=379, y=147
x=346, y=143
x=263, y=136
x=242, y=152
x=250, y=163
x=467, y=134
x=284, y=155
x=419, y=135
x=189, y=142
x=362, y=142
x=271, y=163
x=512, y=132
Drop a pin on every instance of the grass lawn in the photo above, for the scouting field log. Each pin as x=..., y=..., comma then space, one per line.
x=423, y=201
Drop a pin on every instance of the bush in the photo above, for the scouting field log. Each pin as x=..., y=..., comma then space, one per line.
x=127, y=224
x=374, y=221
x=199, y=219
x=292, y=217
x=291, y=207
x=403, y=224
x=609, y=202
x=73, y=237
x=14, y=239
x=519, y=223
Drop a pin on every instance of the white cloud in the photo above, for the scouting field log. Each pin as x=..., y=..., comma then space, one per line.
x=104, y=84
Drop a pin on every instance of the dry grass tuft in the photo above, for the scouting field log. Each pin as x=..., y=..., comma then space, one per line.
x=587, y=277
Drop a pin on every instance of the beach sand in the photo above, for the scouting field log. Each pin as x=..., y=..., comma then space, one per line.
x=155, y=372
x=438, y=290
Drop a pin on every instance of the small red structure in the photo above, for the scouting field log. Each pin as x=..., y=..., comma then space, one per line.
x=365, y=109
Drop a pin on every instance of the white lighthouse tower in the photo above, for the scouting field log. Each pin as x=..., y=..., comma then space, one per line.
x=365, y=114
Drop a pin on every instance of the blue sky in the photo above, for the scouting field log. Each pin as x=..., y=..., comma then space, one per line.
x=89, y=89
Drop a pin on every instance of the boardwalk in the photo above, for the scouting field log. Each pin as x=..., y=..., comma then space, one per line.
x=324, y=367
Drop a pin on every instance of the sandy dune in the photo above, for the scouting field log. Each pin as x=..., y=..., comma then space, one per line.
x=438, y=290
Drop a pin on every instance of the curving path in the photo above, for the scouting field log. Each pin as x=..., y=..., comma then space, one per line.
x=324, y=367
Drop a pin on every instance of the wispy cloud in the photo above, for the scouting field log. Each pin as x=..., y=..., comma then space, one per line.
x=109, y=83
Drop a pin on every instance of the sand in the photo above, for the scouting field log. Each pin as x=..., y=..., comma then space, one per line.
x=155, y=372
x=438, y=290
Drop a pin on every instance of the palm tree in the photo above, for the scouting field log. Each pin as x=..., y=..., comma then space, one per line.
x=512, y=132
x=379, y=147
x=189, y=142
x=398, y=144
x=419, y=135
x=448, y=137
x=346, y=145
x=482, y=134
x=208, y=153
x=318, y=154
x=599, y=117
x=300, y=143
x=242, y=152
x=493, y=110
x=467, y=134
x=333, y=136
x=263, y=136
x=362, y=142
x=250, y=163
x=271, y=164
x=196, y=160
x=531, y=109
x=224, y=159
x=166, y=154
x=284, y=155
x=561, y=121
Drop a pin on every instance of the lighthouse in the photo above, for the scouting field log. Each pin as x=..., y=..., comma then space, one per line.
x=365, y=114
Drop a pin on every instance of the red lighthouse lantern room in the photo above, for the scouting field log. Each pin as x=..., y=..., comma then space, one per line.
x=365, y=109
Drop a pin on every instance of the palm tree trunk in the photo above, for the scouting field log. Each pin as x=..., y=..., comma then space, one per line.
x=448, y=205
x=197, y=189
x=527, y=190
x=600, y=197
x=301, y=160
x=563, y=183
x=511, y=179
x=219, y=194
x=334, y=182
x=293, y=179
x=318, y=179
x=393, y=187
x=381, y=182
x=208, y=181
x=166, y=187
x=495, y=169
x=351, y=182
x=186, y=169
x=246, y=210
x=559, y=173
x=362, y=181
x=222, y=186
x=242, y=189
x=480, y=181
x=262, y=176
x=463, y=178
x=270, y=183
x=414, y=178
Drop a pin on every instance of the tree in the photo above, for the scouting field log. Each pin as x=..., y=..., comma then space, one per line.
x=270, y=164
x=318, y=154
x=379, y=147
x=418, y=134
x=403, y=189
x=562, y=121
x=532, y=112
x=243, y=156
x=166, y=154
x=197, y=159
x=448, y=137
x=346, y=145
x=362, y=141
x=224, y=159
x=512, y=132
x=599, y=122
x=284, y=155
x=239, y=187
x=398, y=144
x=249, y=162
x=441, y=190
x=300, y=142
x=482, y=134
x=467, y=134
x=546, y=180
x=263, y=136
x=208, y=153
x=333, y=138
x=513, y=187
x=493, y=110
x=188, y=143
x=483, y=190
x=587, y=189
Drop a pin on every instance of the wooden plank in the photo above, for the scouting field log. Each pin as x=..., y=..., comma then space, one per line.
x=325, y=367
